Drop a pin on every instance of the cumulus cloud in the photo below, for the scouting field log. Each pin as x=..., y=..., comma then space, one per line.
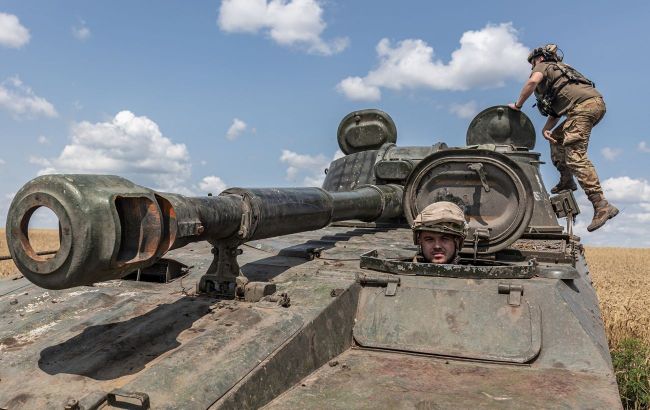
x=12, y=33
x=465, y=111
x=81, y=32
x=212, y=184
x=486, y=58
x=236, y=129
x=21, y=102
x=630, y=227
x=611, y=153
x=355, y=88
x=643, y=147
x=289, y=23
x=128, y=145
x=628, y=190
x=309, y=170
x=42, y=139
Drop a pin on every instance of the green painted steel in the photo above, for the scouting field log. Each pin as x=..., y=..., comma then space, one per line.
x=356, y=321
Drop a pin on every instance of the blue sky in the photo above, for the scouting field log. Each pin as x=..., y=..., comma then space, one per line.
x=197, y=96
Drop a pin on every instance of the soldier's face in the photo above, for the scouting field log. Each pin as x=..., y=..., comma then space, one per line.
x=437, y=247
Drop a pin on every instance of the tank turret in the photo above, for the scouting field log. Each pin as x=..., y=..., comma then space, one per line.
x=339, y=311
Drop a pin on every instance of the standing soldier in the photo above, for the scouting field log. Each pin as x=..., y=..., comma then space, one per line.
x=561, y=90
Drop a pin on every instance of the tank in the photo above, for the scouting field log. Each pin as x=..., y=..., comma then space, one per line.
x=310, y=297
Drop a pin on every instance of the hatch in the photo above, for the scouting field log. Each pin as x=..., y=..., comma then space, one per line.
x=491, y=188
x=479, y=324
x=501, y=125
x=365, y=130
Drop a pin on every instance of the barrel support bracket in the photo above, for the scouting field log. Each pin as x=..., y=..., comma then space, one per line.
x=224, y=277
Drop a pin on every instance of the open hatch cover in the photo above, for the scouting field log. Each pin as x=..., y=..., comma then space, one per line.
x=491, y=188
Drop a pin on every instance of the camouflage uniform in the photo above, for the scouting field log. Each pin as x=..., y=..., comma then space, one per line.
x=571, y=94
x=572, y=136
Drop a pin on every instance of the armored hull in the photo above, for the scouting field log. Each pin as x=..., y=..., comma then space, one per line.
x=336, y=317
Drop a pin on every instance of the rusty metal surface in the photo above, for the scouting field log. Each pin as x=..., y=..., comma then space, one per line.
x=149, y=337
x=152, y=338
x=395, y=263
x=515, y=324
x=411, y=382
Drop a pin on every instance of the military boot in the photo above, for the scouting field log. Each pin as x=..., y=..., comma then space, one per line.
x=566, y=182
x=603, y=211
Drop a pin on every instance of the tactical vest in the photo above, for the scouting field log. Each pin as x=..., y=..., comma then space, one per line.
x=545, y=102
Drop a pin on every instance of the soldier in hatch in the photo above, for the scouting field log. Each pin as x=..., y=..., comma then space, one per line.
x=561, y=90
x=440, y=230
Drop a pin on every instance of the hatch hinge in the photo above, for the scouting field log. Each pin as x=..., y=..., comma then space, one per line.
x=480, y=234
x=480, y=171
x=389, y=281
x=513, y=291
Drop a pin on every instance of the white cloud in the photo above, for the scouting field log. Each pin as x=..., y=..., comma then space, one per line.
x=355, y=88
x=631, y=226
x=42, y=139
x=465, y=111
x=626, y=189
x=290, y=23
x=21, y=102
x=212, y=184
x=40, y=161
x=486, y=58
x=128, y=145
x=643, y=147
x=236, y=129
x=611, y=153
x=2, y=162
x=12, y=33
x=81, y=32
x=308, y=168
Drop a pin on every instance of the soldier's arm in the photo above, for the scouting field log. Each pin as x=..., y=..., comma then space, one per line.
x=528, y=88
x=547, y=131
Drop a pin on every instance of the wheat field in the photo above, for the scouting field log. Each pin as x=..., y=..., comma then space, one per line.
x=621, y=277
x=40, y=239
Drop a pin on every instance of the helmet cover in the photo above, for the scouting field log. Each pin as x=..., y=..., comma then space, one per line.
x=443, y=217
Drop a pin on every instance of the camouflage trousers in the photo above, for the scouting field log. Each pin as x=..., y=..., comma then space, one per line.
x=572, y=136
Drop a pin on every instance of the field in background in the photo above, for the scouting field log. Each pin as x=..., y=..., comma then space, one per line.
x=41, y=240
x=621, y=277
x=622, y=280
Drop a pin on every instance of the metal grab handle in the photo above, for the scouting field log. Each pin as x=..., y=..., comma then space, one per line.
x=478, y=168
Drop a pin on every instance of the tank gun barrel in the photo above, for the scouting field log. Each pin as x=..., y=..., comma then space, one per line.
x=109, y=226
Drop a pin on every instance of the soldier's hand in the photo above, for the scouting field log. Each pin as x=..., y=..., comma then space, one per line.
x=548, y=134
x=514, y=107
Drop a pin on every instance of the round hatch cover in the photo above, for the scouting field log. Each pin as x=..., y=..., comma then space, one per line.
x=490, y=187
x=501, y=125
x=365, y=130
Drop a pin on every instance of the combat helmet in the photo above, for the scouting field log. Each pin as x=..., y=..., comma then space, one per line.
x=443, y=217
x=549, y=51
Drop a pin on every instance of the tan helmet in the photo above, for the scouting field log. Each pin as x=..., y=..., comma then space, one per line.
x=549, y=52
x=443, y=217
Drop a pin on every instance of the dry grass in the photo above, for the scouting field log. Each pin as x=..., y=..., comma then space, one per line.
x=41, y=240
x=621, y=278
